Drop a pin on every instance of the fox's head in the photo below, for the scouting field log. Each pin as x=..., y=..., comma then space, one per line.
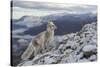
x=51, y=26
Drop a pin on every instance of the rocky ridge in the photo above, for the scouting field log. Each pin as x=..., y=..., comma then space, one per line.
x=74, y=47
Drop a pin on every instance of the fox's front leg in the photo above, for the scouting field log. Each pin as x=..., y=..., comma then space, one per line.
x=46, y=47
x=43, y=48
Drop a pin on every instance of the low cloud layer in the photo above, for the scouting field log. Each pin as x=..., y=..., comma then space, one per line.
x=21, y=8
x=51, y=6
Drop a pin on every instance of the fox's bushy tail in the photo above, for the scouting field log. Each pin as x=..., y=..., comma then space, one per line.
x=28, y=52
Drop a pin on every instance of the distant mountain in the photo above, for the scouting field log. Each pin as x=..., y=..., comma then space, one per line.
x=29, y=21
x=70, y=16
x=65, y=22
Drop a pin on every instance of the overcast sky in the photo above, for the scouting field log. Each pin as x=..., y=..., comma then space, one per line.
x=21, y=8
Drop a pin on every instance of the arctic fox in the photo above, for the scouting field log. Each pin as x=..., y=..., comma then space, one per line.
x=40, y=41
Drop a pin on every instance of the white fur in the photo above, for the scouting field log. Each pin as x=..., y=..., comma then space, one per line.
x=40, y=41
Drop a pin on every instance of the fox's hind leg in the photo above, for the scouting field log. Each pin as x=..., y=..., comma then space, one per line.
x=37, y=50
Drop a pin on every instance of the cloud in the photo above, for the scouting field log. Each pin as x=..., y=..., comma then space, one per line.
x=21, y=8
x=51, y=6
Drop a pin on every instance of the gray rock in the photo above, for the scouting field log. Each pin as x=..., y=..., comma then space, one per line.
x=88, y=48
x=93, y=58
x=83, y=60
